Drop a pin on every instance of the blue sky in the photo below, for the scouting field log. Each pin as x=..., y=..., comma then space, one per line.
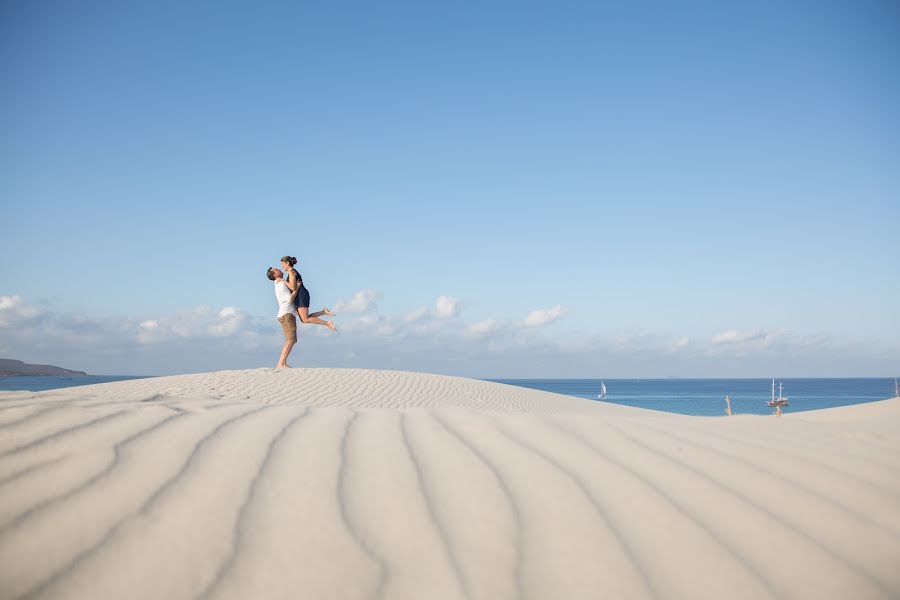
x=692, y=189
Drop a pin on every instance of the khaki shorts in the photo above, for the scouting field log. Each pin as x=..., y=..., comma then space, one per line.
x=289, y=324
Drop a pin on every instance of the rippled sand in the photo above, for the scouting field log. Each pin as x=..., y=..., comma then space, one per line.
x=335, y=483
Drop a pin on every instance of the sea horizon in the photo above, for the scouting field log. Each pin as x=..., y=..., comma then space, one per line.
x=681, y=395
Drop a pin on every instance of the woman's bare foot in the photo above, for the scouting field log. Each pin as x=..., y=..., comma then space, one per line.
x=328, y=312
x=331, y=326
x=284, y=366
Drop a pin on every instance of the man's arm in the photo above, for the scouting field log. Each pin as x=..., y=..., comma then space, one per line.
x=279, y=295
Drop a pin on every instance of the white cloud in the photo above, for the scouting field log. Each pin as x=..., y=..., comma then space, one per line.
x=364, y=326
x=198, y=323
x=813, y=340
x=679, y=346
x=24, y=328
x=733, y=336
x=416, y=315
x=14, y=310
x=536, y=318
x=362, y=301
x=229, y=321
x=447, y=307
x=430, y=328
x=484, y=327
x=762, y=343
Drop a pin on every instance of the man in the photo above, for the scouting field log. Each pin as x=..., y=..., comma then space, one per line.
x=287, y=314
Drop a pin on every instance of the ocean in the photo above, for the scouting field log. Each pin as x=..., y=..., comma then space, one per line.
x=704, y=397
x=40, y=384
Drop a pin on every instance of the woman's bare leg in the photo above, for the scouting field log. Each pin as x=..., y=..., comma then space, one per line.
x=325, y=311
x=306, y=318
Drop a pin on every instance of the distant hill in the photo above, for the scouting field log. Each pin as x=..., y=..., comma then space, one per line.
x=9, y=367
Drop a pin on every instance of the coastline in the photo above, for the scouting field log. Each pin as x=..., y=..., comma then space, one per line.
x=698, y=397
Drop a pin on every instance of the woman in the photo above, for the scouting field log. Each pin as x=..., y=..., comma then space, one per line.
x=301, y=300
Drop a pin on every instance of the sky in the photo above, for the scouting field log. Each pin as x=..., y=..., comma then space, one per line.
x=484, y=189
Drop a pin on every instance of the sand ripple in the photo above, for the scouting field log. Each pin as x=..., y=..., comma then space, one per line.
x=332, y=483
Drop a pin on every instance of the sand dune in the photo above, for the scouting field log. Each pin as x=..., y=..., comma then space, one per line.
x=333, y=483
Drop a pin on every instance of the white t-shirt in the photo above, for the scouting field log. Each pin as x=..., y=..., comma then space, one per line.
x=283, y=295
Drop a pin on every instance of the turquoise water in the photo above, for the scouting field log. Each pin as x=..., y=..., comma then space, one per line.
x=39, y=384
x=707, y=396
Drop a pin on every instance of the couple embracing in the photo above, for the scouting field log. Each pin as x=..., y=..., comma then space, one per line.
x=293, y=304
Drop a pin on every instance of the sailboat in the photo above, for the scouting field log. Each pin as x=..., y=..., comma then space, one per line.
x=780, y=400
x=602, y=393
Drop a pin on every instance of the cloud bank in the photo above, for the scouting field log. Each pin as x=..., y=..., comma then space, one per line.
x=437, y=339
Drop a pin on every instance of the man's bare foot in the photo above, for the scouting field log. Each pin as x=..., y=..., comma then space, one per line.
x=328, y=312
x=331, y=326
x=284, y=366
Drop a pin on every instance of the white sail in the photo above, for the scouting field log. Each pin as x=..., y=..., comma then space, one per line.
x=602, y=390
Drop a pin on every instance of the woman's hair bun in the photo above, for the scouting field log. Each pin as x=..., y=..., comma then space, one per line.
x=289, y=260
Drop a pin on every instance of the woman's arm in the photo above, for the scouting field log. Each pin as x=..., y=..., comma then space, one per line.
x=292, y=281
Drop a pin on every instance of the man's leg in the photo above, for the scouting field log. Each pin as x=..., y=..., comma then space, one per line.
x=289, y=326
x=285, y=351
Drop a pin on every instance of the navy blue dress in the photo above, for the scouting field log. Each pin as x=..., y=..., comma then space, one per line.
x=301, y=300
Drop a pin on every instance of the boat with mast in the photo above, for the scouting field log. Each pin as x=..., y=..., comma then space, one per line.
x=780, y=400
x=602, y=393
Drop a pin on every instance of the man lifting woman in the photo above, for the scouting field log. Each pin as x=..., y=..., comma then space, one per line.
x=293, y=303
